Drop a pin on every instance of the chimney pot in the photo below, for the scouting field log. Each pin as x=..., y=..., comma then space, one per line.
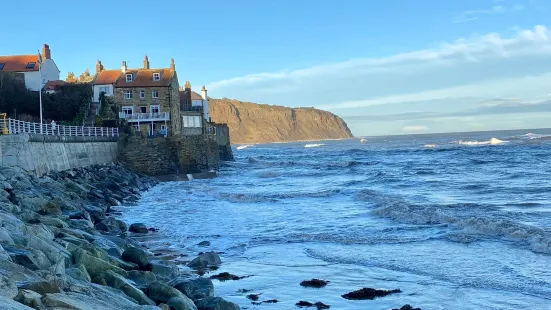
x=124, y=67
x=146, y=62
x=172, y=65
x=46, y=52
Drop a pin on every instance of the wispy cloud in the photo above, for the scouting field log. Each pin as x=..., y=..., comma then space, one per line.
x=466, y=73
x=476, y=14
x=412, y=129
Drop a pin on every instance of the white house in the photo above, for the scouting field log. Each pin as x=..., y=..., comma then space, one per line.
x=201, y=101
x=28, y=66
x=105, y=81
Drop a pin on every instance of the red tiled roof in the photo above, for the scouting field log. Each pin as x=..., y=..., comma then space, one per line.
x=107, y=77
x=51, y=85
x=18, y=63
x=144, y=78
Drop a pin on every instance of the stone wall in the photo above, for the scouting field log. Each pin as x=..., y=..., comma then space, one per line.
x=176, y=155
x=223, y=142
x=44, y=154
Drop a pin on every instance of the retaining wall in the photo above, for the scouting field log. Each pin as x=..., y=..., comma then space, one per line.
x=42, y=154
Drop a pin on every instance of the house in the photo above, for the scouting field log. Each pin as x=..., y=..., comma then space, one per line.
x=194, y=108
x=105, y=81
x=148, y=98
x=52, y=86
x=28, y=66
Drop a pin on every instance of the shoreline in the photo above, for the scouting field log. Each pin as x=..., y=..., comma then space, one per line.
x=61, y=245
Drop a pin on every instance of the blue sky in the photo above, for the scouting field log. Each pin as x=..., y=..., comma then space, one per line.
x=386, y=67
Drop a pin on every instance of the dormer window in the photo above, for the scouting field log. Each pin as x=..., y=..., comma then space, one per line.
x=156, y=76
x=2, y=66
x=30, y=65
x=129, y=78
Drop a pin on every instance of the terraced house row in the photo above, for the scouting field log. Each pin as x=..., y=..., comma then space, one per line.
x=152, y=101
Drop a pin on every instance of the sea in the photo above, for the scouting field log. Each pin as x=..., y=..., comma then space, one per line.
x=455, y=221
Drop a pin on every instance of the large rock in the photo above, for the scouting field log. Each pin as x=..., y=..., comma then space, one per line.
x=112, y=225
x=163, y=293
x=117, y=281
x=29, y=298
x=164, y=270
x=136, y=256
x=195, y=289
x=79, y=273
x=10, y=304
x=205, y=260
x=32, y=259
x=216, y=303
x=141, y=279
x=178, y=303
x=95, y=266
x=139, y=228
x=8, y=288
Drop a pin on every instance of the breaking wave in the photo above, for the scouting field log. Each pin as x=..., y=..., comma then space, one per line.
x=492, y=141
x=314, y=145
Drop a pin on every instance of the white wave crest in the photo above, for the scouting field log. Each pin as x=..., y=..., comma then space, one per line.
x=363, y=141
x=242, y=147
x=492, y=141
x=430, y=145
x=533, y=136
x=314, y=145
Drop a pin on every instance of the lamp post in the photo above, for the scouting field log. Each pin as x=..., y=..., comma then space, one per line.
x=40, y=89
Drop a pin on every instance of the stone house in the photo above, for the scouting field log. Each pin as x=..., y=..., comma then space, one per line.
x=148, y=98
x=28, y=66
x=194, y=109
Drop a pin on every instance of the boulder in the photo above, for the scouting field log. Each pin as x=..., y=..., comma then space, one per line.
x=5, y=237
x=4, y=255
x=10, y=304
x=52, y=221
x=8, y=288
x=32, y=259
x=196, y=289
x=164, y=270
x=29, y=298
x=204, y=243
x=179, y=303
x=141, y=279
x=117, y=281
x=50, y=208
x=139, y=228
x=95, y=266
x=136, y=256
x=368, y=293
x=205, y=260
x=112, y=225
x=216, y=303
x=163, y=293
x=79, y=273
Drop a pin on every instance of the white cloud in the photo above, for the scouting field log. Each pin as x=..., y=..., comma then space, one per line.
x=411, y=129
x=475, y=14
x=488, y=66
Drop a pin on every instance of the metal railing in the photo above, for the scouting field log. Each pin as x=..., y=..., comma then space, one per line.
x=189, y=107
x=14, y=127
x=160, y=116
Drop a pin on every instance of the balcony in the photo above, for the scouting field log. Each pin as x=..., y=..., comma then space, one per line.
x=145, y=117
x=192, y=108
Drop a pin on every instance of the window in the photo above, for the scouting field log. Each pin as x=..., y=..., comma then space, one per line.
x=143, y=109
x=142, y=94
x=155, y=94
x=30, y=65
x=192, y=121
x=127, y=94
x=156, y=76
x=2, y=66
x=128, y=110
x=154, y=108
x=104, y=90
x=129, y=77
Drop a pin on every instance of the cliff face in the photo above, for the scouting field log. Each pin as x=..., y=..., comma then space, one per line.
x=260, y=123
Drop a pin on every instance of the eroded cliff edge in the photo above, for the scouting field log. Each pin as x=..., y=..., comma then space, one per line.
x=260, y=123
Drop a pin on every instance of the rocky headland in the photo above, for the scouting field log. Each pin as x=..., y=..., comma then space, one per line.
x=260, y=123
x=62, y=247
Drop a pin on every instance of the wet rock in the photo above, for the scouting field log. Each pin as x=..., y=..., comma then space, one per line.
x=94, y=265
x=270, y=301
x=139, y=228
x=52, y=221
x=319, y=305
x=8, y=288
x=112, y=225
x=178, y=303
x=10, y=304
x=314, y=283
x=50, y=208
x=136, y=256
x=79, y=273
x=204, y=243
x=226, y=276
x=253, y=297
x=29, y=298
x=216, y=303
x=164, y=270
x=141, y=279
x=163, y=293
x=368, y=293
x=205, y=260
x=26, y=257
x=115, y=280
x=407, y=307
x=196, y=288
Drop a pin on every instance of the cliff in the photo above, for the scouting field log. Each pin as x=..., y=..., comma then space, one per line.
x=260, y=123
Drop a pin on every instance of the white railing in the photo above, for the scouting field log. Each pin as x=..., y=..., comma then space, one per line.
x=13, y=127
x=136, y=117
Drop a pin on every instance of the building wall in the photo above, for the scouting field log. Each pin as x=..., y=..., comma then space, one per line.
x=97, y=91
x=50, y=72
x=40, y=156
x=175, y=115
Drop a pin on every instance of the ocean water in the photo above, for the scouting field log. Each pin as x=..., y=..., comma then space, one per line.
x=455, y=221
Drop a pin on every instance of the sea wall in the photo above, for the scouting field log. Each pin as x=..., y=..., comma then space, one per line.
x=44, y=154
x=223, y=142
x=176, y=155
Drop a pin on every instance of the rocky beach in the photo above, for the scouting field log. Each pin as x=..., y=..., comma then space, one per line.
x=62, y=247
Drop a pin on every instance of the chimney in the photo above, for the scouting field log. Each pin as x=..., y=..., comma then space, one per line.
x=46, y=53
x=172, y=66
x=99, y=67
x=204, y=93
x=146, y=63
x=188, y=85
x=188, y=92
x=124, y=67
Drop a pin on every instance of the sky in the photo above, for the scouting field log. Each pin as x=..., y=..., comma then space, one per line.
x=385, y=67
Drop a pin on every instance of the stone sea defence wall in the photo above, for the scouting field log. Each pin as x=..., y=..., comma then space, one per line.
x=177, y=155
x=62, y=247
x=224, y=143
x=43, y=154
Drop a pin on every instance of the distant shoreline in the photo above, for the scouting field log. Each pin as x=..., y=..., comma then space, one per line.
x=296, y=141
